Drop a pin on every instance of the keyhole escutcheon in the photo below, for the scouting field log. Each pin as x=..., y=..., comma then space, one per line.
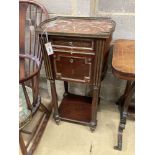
x=71, y=60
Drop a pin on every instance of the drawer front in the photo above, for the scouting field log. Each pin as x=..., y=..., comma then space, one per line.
x=76, y=68
x=73, y=44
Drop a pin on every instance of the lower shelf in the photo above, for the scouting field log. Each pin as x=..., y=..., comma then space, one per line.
x=75, y=108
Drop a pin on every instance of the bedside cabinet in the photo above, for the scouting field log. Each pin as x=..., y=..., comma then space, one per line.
x=80, y=49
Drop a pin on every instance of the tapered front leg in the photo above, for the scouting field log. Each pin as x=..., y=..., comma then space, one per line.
x=55, y=101
x=93, y=123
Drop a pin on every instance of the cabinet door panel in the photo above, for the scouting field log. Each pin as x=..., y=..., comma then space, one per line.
x=76, y=68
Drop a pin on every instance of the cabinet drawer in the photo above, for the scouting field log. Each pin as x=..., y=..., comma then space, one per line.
x=75, y=67
x=72, y=43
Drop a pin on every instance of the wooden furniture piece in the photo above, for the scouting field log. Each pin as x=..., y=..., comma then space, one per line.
x=31, y=13
x=123, y=67
x=80, y=48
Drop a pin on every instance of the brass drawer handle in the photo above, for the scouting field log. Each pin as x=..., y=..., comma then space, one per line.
x=71, y=60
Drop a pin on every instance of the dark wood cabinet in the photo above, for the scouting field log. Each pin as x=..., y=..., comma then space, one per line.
x=80, y=48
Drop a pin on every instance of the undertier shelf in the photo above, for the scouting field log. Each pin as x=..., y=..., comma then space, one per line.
x=75, y=107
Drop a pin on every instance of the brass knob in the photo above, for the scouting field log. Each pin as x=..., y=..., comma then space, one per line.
x=71, y=60
x=71, y=43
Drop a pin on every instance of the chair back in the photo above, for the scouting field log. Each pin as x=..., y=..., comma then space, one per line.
x=31, y=14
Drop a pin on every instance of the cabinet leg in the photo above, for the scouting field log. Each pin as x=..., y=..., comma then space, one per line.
x=55, y=101
x=57, y=119
x=93, y=126
x=93, y=123
x=66, y=88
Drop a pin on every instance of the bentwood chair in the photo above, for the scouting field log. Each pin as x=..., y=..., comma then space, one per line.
x=123, y=67
x=31, y=13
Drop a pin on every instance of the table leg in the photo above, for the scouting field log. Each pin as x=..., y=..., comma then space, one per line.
x=121, y=100
x=123, y=115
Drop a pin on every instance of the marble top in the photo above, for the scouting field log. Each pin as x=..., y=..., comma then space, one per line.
x=79, y=25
